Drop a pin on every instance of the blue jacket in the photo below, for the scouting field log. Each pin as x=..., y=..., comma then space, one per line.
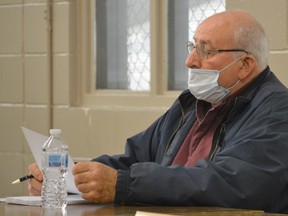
x=248, y=164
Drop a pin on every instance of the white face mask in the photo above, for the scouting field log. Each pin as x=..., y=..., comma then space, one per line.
x=203, y=84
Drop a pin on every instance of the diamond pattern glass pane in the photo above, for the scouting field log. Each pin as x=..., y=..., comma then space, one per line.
x=138, y=45
x=123, y=44
x=200, y=10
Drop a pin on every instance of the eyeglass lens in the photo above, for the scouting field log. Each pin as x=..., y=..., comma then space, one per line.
x=200, y=49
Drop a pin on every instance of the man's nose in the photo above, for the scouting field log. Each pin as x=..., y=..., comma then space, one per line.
x=193, y=60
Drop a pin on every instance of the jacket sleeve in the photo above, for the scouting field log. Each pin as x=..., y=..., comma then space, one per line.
x=251, y=170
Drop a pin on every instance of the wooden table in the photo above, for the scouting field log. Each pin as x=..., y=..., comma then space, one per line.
x=114, y=210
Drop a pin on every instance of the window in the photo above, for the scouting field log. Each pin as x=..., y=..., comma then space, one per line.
x=124, y=38
x=123, y=44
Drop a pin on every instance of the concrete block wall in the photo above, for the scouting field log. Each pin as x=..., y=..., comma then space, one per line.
x=26, y=77
x=24, y=97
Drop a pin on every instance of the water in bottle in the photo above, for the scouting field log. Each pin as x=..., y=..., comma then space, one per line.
x=54, y=168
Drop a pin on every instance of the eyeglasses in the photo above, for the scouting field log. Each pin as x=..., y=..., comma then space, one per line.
x=203, y=52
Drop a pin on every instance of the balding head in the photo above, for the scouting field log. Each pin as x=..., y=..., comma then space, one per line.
x=243, y=31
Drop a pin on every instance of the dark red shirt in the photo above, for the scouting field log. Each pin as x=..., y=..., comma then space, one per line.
x=198, y=142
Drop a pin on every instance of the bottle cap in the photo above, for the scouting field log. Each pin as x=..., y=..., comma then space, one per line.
x=55, y=132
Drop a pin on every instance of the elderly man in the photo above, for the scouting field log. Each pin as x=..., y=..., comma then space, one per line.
x=224, y=142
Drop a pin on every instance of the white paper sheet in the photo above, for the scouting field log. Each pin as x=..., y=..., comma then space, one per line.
x=35, y=142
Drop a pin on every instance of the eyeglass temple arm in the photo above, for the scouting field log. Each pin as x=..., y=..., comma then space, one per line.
x=230, y=50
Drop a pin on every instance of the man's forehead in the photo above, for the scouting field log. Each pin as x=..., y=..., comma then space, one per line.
x=203, y=37
x=212, y=33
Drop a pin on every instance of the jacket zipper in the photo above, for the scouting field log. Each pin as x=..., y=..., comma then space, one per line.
x=175, y=132
x=223, y=129
x=221, y=133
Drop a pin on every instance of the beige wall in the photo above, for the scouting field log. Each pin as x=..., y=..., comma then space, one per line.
x=27, y=73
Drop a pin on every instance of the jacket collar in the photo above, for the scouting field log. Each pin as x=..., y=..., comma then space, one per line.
x=241, y=101
x=254, y=85
x=187, y=101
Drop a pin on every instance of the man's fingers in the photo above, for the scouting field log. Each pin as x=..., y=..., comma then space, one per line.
x=35, y=171
x=33, y=192
x=81, y=167
x=81, y=178
x=83, y=187
x=34, y=187
x=90, y=196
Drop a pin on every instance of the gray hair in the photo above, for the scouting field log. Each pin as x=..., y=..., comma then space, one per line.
x=252, y=38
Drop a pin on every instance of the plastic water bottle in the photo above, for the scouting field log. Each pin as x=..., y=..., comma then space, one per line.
x=54, y=168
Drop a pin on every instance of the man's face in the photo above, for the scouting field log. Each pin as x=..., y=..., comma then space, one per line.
x=216, y=33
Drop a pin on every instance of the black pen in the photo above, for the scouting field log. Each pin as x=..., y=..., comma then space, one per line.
x=24, y=178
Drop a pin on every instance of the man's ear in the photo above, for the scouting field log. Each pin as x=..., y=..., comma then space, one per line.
x=247, y=67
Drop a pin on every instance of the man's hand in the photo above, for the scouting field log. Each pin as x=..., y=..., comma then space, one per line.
x=35, y=184
x=96, y=181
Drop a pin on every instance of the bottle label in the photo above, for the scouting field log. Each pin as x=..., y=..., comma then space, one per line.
x=57, y=160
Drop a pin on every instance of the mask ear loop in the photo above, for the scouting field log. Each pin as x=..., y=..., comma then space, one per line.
x=228, y=66
x=232, y=63
x=234, y=85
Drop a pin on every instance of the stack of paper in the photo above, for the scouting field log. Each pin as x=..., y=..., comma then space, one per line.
x=36, y=200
